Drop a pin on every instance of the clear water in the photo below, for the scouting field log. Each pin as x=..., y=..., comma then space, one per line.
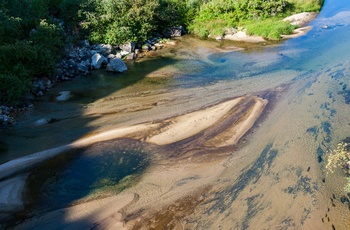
x=279, y=181
x=102, y=170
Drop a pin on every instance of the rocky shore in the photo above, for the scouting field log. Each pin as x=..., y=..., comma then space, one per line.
x=84, y=57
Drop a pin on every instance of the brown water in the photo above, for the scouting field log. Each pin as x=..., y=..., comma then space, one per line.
x=275, y=177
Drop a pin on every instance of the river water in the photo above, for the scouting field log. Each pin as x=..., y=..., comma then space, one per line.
x=275, y=179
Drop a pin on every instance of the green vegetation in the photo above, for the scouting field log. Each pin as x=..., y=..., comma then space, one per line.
x=33, y=32
x=216, y=16
x=270, y=28
x=30, y=41
x=340, y=158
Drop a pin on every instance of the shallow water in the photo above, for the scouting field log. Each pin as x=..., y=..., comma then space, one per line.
x=275, y=179
x=105, y=169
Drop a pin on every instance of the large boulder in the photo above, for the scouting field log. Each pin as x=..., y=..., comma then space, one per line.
x=97, y=60
x=116, y=65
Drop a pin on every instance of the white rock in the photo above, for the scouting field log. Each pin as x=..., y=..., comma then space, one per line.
x=116, y=65
x=97, y=60
x=64, y=96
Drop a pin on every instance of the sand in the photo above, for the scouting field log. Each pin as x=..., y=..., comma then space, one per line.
x=167, y=178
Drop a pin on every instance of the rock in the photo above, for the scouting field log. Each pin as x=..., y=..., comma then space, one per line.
x=159, y=45
x=71, y=63
x=176, y=31
x=85, y=43
x=104, y=49
x=146, y=47
x=40, y=93
x=118, y=55
x=38, y=85
x=131, y=56
x=84, y=54
x=41, y=121
x=124, y=53
x=116, y=65
x=301, y=19
x=82, y=68
x=128, y=47
x=63, y=96
x=86, y=63
x=111, y=56
x=97, y=60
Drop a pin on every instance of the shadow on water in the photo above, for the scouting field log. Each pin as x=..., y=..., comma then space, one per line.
x=64, y=121
x=100, y=170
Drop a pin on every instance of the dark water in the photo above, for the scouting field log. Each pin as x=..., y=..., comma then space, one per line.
x=103, y=169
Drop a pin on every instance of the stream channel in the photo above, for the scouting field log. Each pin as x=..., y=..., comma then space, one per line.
x=274, y=178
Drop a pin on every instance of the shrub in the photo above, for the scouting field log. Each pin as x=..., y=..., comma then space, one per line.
x=213, y=18
x=298, y=6
x=49, y=35
x=117, y=22
x=12, y=89
x=271, y=28
x=9, y=28
x=26, y=60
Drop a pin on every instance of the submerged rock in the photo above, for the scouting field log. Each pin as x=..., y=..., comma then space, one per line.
x=64, y=96
x=42, y=121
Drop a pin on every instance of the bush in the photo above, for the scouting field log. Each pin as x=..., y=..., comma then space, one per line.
x=26, y=60
x=12, y=89
x=271, y=29
x=48, y=35
x=213, y=18
x=117, y=22
x=298, y=6
x=9, y=28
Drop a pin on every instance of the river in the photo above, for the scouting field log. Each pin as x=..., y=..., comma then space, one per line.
x=274, y=178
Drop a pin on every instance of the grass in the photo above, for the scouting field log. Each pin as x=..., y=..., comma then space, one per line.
x=306, y=5
x=270, y=28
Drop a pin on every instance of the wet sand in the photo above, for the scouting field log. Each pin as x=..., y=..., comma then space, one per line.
x=270, y=180
x=162, y=133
